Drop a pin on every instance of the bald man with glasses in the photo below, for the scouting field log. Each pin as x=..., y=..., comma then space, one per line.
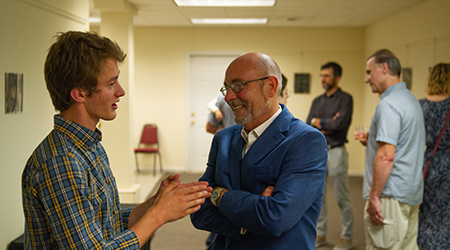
x=267, y=171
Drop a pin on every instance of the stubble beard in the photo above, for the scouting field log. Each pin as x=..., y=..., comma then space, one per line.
x=250, y=115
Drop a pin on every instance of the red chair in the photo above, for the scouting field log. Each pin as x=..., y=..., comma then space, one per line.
x=149, y=145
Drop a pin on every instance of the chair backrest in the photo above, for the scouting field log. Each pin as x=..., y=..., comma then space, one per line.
x=149, y=134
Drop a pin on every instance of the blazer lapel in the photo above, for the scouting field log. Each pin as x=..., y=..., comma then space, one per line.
x=235, y=157
x=269, y=139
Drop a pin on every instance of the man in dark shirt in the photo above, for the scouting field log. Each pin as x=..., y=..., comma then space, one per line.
x=331, y=113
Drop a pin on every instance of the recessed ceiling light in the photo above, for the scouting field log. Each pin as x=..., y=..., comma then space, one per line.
x=226, y=3
x=95, y=19
x=229, y=20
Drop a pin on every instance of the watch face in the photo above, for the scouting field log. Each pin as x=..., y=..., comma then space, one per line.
x=214, y=196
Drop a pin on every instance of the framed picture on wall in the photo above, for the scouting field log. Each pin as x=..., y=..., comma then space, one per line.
x=13, y=93
x=301, y=84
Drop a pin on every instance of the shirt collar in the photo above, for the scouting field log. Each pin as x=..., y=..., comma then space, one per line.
x=325, y=94
x=78, y=133
x=261, y=128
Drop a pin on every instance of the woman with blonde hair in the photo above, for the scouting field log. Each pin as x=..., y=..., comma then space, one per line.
x=434, y=216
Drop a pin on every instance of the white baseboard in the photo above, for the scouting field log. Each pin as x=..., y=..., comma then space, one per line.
x=130, y=195
x=174, y=169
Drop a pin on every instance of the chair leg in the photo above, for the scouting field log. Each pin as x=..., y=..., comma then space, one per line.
x=137, y=167
x=160, y=163
x=154, y=164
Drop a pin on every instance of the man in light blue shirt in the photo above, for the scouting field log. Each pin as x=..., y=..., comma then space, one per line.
x=393, y=184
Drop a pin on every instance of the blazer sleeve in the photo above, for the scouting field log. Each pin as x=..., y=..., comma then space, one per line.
x=208, y=217
x=300, y=184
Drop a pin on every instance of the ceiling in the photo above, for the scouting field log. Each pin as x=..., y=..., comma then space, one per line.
x=285, y=13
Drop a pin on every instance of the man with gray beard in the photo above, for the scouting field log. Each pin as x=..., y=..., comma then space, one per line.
x=267, y=171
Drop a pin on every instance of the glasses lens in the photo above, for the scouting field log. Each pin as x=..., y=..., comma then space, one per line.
x=237, y=87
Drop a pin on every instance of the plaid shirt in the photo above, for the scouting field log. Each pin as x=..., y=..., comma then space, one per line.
x=70, y=198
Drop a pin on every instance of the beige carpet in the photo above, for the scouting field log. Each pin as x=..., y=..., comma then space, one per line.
x=181, y=235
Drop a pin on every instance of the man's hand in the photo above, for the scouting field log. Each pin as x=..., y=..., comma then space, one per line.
x=316, y=122
x=336, y=116
x=382, y=166
x=166, y=182
x=219, y=115
x=362, y=139
x=374, y=210
x=268, y=191
x=178, y=200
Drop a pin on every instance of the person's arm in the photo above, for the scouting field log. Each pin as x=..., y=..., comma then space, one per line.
x=138, y=211
x=311, y=113
x=74, y=216
x=174, y=202
x=218, y=114
x=208, y=217
x=210, y=128
x=212, y=105
x=298, y=186
x=71, y=204
x=213, y=125
x=382, y=166
x=303, y=169
x=340, y=119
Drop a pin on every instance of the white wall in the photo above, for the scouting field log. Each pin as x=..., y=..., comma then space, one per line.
x=160, y=86
x=420, y=38
x=26, y=29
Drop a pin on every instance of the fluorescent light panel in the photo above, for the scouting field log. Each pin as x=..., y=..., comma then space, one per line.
x=229, y=20
x=226, y=3
x=95, y=19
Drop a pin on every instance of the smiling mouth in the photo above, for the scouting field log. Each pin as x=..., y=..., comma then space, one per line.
x=239, y=107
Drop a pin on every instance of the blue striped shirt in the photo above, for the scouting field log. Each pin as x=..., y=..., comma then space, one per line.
x=70, y=197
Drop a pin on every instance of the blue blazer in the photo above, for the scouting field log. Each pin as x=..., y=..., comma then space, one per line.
x=291, y=156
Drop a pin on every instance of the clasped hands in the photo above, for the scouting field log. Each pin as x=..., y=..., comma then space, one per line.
x=175, y=200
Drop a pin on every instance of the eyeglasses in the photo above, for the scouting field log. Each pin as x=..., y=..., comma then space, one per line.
x=238, y=86
x=326, y=76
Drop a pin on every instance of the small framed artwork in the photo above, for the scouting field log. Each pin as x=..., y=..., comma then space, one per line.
x=13, y=93
x=407, y=77
x=301, y=83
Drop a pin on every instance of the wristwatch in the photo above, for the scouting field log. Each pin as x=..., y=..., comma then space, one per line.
x=215, y=195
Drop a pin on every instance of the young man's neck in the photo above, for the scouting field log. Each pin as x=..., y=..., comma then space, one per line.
x=75, y=114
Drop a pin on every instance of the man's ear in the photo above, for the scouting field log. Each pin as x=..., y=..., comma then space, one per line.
x=385, y=68
x=78, y=94
x=273, y=86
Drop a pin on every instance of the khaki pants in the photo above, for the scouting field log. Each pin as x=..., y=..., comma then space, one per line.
x=399, y=231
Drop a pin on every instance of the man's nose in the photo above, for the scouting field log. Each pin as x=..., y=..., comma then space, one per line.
x=230, y=95
x=120, y=91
